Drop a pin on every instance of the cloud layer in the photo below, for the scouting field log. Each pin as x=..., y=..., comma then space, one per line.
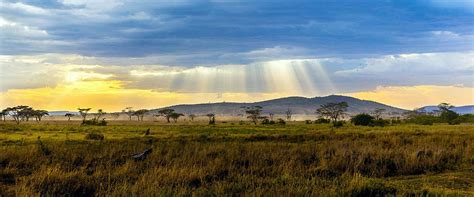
x=221, y=50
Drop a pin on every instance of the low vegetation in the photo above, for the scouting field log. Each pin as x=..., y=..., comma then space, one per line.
x=233, y=159
x=376, y=154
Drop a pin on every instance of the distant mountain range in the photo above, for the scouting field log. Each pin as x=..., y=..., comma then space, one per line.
x=467, y=109
x=297, y=105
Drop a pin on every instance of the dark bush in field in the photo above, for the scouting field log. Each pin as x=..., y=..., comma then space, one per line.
x=322, y=121
x=338, y=124
x=267, y=121
x=94, y=136
x=308, y=122
x=281, y=121
x=94, y=122
x=362, y=119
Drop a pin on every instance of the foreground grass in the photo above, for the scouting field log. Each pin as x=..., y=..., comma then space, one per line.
x=235, y=159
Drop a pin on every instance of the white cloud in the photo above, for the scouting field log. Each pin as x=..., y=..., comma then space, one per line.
x=24, y=8
x=414, y=64
x=12, y=30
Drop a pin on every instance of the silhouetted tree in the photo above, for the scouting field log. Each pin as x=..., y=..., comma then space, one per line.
x=69, y=115
x=445, y=107
x=38, y=114
x=175, y=116
x=212, y=118
x=447, y=115
x=140, y=113
x=4, y=113
x=99, y=114
x=253, y=113
x=333, y=111
x=129, y=111
x=19, y=112
x=83, y=112
x=166, y=113
x=288, y=114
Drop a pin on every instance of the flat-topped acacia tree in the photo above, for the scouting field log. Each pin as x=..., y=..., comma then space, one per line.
x=332, y=111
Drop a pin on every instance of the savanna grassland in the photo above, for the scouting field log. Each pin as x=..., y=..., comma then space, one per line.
x=235, y=159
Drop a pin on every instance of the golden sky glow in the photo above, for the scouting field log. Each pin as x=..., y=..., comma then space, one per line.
x=110, y=95
x=410, y=97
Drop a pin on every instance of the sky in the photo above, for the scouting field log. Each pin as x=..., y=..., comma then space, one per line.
x=64, y=54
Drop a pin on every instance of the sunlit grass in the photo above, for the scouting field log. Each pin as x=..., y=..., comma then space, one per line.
x=230, y=158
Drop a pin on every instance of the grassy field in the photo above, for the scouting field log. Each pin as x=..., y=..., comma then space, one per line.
x=234, y=159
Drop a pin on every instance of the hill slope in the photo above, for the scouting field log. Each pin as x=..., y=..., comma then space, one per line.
x=467, y=109
x=298, y=105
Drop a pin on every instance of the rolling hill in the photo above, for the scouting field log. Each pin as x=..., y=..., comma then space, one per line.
x=467, y=109
x=298, y=105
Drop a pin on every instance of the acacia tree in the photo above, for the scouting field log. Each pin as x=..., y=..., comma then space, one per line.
x=140, y=113
x=19, y=112
x=4, y=113
x=288, y=114
x=99, y=114
x=175, y=116
x=69, y=115
x=332, y=111
x=447, y=114
x=129, y=111
x=166, y=113
x=212, y=118
x=38, y=114
x=253, y=113
x=26, y=112
x=445, y=107
x=83, y=112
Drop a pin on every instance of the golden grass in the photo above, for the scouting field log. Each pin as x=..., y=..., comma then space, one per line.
x=233, y=159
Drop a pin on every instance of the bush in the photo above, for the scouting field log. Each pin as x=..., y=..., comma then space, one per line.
x=380, y=122
x=94, y=136
x=423, y=120
x=307, y=121
x=363, y=120
x=322, y=121
x=281, y=121
x=338, y=124
x=266, y=121
x=448, y=116
x=94, y=122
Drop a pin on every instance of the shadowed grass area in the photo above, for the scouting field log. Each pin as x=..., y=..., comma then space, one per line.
x=295, y=159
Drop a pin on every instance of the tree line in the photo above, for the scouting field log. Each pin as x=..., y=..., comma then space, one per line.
x=23, y=113
x=327, y=113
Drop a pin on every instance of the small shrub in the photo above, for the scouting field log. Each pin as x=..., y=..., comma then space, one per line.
x=307, y=122
x=94, y=136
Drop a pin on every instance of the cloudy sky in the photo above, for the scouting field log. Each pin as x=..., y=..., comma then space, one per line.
x=110, y=54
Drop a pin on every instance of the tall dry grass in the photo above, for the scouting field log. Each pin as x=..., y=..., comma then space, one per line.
x=313, y=163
